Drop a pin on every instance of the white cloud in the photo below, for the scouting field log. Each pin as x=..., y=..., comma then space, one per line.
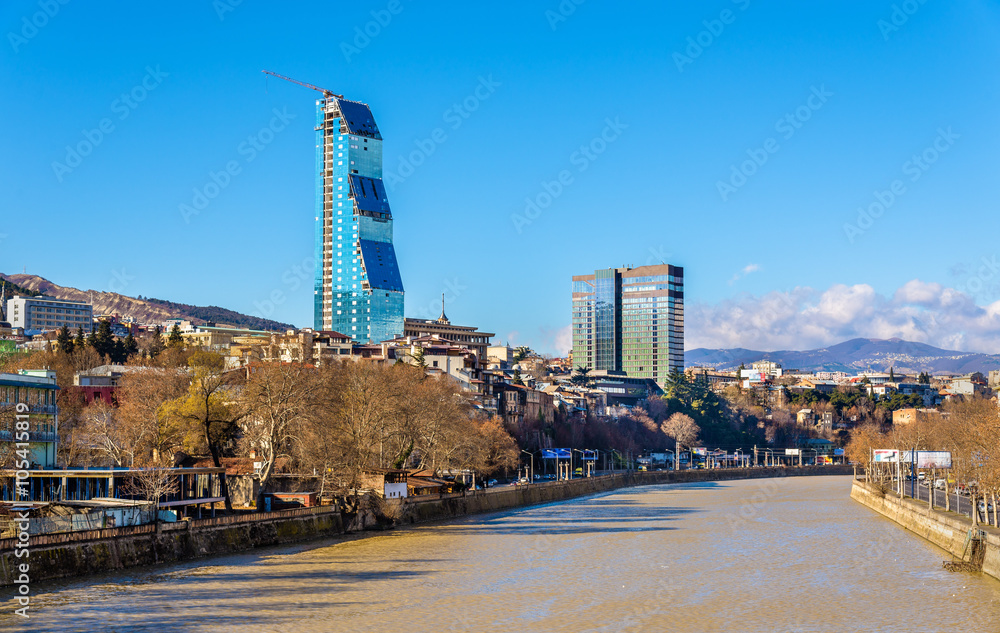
x=746, y=270
x=555, y=341
x=805, y=318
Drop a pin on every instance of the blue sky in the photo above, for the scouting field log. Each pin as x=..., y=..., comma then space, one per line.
x=775, y=252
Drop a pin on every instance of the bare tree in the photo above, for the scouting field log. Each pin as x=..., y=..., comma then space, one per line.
x=684, y=431
x=276, y=406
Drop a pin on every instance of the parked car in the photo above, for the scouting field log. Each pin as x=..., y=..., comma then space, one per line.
x=939, y=484
x=985, y=507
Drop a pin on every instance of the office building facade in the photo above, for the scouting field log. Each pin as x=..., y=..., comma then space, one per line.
x=358, y=288
x=46, y=313
x=630, y=320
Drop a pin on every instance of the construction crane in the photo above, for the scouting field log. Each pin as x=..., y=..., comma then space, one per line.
x=326, y=93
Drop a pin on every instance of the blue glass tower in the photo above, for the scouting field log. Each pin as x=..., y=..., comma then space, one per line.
x=358, y=289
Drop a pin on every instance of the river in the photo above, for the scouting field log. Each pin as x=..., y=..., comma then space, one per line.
x=790, y=555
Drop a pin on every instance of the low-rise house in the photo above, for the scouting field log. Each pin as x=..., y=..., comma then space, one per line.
x=388, y=483
x=912, y=415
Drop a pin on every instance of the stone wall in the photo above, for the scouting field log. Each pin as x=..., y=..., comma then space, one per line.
x=84, y=553
x=448, y=506
x=947, y=530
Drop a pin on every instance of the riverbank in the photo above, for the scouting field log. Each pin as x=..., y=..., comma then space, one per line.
x=947, y=530
x=76, y=554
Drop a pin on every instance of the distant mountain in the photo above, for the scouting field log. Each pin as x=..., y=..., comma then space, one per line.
x=852, y=356
x=144, y=310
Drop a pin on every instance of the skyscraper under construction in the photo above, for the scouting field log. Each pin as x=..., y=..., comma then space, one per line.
x=358, y=289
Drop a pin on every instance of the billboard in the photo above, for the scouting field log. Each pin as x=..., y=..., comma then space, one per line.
x=556, y=453
x=590, y=456
x=928, y=459
x=824, y=459
x=699, y=451
x=885, y=455
x=933, y=459
x=791, y=451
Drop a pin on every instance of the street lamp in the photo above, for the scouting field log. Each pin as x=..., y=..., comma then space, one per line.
x=531, y=474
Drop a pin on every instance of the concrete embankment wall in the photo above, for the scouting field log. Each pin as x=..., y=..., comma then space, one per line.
x=452, y=506
x=947, y=530
x=98, y=551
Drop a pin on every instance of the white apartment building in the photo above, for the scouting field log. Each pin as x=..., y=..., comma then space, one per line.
x=46, y=313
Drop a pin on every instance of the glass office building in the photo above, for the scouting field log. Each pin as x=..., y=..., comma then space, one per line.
x=358, y=290
x=630, y=320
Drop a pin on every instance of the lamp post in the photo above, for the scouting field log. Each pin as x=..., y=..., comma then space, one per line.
x=531, y=474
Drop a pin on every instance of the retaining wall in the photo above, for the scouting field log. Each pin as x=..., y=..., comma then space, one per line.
x=449, y=506
x=89, y=552
x=947, y=530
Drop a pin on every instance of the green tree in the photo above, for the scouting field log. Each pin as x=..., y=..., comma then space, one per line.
x=176, y=339
x=131, y=346
x=118, y=355
x=517, y=380
x=156, y=345
x=80, y=342
x=892, y=375
x=521, y=353
x=65, y=340
x=581, y=377
x=103, y=341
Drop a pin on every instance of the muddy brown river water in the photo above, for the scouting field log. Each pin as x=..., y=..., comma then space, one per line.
x=791, y=555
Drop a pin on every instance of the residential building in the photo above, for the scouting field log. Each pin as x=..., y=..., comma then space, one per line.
x=630, y=320
x=35, y=389
x=46, y=313
x=717, y=381
x=440, y=355
x=358, y=288
x=969, y=385
x=500, y=355
x=824, y=386
x=994, y=379
x=909, y=416
x=769, y=368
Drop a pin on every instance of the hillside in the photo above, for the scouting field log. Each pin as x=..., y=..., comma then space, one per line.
x=853, y=356
x=12, y=289
x=143, y=310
